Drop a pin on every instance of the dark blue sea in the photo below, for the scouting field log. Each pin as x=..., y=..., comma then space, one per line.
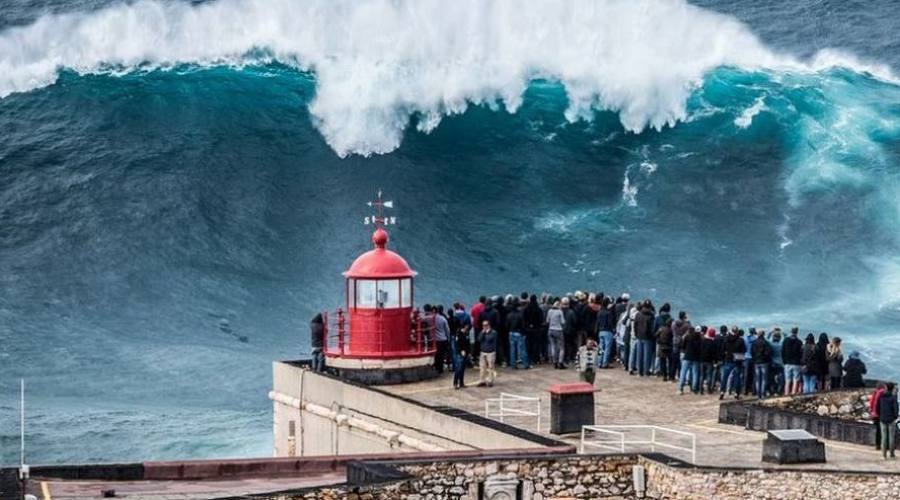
x=182, y=184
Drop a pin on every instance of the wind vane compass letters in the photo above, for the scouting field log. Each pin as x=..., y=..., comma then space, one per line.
x=379, y=218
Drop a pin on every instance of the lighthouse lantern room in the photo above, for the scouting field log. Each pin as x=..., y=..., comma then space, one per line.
x=379, y=338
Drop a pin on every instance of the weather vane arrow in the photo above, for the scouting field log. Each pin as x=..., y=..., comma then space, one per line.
x=379, y=219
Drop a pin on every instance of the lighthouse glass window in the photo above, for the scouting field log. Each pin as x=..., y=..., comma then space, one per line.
x=379, y=294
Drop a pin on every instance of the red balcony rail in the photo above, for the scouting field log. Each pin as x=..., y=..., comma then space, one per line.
x=337, y=337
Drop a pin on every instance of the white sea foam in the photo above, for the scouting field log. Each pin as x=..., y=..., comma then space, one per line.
x=746, y=117
x=379, y=62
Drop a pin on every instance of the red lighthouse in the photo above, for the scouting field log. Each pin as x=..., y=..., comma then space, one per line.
x=379, y=337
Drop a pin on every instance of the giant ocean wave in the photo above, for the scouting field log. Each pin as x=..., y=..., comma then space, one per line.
x=378, y=63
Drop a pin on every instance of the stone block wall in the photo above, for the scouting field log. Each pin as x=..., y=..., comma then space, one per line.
x=707, y=484
x=570, y=477
x=575, y=477
x=605, y=477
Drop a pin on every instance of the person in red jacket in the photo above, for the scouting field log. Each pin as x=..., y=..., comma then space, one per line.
x=873, y=411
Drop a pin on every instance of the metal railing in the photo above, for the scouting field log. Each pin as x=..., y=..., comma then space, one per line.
x=620, y=440
x=513, y=405
x=337, y=335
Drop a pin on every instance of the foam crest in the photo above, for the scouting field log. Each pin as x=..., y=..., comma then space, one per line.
x=379, y=63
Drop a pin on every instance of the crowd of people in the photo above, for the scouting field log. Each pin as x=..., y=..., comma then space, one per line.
x=591, y=331
x=518, y=331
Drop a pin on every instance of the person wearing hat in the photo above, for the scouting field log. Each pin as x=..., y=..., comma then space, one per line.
x=854, y=369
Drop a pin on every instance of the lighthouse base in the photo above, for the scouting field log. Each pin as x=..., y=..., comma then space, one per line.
x=383, y=371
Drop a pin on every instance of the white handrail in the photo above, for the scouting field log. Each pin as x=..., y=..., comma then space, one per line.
x=505, y=400
x=653, y=441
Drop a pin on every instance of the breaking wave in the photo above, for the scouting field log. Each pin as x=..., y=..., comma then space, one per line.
x=381, y=66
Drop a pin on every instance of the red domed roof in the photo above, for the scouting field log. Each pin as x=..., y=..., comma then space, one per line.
x=380, y=262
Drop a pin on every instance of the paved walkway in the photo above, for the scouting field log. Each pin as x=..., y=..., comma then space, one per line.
x=625, y=399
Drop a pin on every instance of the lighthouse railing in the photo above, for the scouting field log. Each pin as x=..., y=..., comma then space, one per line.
x=338, y=337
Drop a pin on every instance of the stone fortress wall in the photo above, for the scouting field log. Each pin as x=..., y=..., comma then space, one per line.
x=594, y=476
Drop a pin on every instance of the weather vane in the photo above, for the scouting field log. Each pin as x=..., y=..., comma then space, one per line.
x=379, y=218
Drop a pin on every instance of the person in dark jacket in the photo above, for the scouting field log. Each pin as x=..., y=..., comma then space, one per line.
x=606, y=325
x=643, y=331
x=665, y=314
x=462, y=349
x=588, y=319
x=692, y=352
x=515, y=325
x=734, y=351
x=835, y=357
x=709, y=357
x=534, y=320
x=854, y=369
x=664, y=348
x=487, y=361
x=461, y=321
x=792, y=353
x=761, y=354
x=679, y=327
x=810, y=368
x=822, y=361
x=576, y=337
x=317, y=343
x=502, y=306
x=888, y=413
x=570, y=329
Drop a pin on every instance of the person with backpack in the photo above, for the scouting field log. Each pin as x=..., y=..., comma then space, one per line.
x=664, y=348
x=643, y=330
x=761, y=355
x=679, y=327
x=810, y=365
x=734, y=351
